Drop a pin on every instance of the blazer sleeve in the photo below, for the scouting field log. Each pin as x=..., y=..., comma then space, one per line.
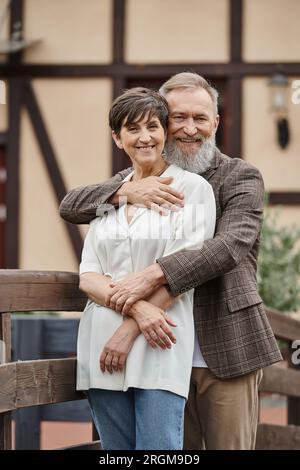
x=81, y=205
x=241, y=199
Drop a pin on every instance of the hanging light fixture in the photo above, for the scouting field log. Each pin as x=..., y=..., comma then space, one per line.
x=279, y=86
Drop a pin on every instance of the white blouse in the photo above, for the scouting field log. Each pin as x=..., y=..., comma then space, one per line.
x=117, y=247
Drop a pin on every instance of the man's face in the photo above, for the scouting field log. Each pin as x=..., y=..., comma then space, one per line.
x=191, y=119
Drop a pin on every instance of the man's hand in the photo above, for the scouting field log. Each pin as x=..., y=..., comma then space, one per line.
x=117, y=348
x=134, y=287
x=152, y=192
x=154, y=324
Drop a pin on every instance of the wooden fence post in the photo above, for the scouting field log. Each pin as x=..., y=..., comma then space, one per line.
x=5, y=418
x=28, y=419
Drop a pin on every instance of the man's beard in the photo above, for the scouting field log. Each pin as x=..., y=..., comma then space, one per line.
x=195, y=163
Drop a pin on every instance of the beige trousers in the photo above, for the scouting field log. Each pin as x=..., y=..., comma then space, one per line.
x=221, y=414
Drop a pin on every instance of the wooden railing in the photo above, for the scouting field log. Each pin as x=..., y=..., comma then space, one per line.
x=286, y=382
x=40, y=382
x=44, y=336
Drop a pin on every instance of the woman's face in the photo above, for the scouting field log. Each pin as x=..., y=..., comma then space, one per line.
x=143, y=140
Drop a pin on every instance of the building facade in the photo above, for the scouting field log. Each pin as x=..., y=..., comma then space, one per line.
x=54, y=132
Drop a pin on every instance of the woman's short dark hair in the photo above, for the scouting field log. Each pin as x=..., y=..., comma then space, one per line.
x=136, y=103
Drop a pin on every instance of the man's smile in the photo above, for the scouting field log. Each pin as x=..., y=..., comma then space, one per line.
x=188, y=141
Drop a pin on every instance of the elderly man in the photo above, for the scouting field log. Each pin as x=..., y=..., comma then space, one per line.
x=232, y=331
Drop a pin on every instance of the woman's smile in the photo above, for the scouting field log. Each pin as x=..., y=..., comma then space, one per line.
x=145, y=148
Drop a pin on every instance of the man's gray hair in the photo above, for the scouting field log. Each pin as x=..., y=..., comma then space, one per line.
x=190, y=80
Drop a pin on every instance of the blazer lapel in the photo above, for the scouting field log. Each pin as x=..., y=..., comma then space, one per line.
x=214, y=165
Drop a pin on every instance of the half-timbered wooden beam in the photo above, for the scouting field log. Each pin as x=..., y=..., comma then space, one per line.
x=119, y=158
x=145, y=71
x=233, y=109
x=12, y=195
x=47, y=150
x=15, y=89
x=291, y=198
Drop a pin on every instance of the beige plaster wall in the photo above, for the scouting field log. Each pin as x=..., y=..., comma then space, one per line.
x=71, y=31
x=75, y=113
x=271, y=30
x=4, y=32
x=76, y=116
x=5, y=26
x=164, y=31
x=280, y=168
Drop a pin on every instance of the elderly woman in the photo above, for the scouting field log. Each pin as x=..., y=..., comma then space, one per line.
x=135, y=371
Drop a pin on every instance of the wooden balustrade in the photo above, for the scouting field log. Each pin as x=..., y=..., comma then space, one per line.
x=39, y=382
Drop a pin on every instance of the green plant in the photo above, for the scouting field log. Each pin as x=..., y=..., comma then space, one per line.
x=39, y=313
x=279, y=264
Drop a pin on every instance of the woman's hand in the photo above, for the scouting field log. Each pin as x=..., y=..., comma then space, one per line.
x=153, y=192
x=133, y=287
x=154, y=324
x=117, y=348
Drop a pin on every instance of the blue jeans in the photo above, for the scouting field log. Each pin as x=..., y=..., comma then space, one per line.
x=138, y=419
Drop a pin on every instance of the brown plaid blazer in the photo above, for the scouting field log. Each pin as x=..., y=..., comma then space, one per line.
x=233, y=330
